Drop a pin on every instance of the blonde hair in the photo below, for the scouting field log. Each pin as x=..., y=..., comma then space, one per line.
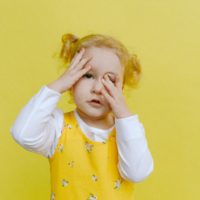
x=132, y=67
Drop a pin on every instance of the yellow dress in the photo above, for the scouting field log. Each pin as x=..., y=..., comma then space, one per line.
x=82, y=169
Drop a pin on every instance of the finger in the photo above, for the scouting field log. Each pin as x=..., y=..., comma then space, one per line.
x=114, y=82
x=82, y=63
x=78, y=55
x=80, y=73
x=108, y=87
x=107, y=96
x=118, y=82
x=77, y=58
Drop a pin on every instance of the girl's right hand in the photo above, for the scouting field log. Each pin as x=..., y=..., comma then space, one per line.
x=76, y=70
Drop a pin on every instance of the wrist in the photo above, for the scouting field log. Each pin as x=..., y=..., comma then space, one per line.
x=123, y=114
x=57, y=86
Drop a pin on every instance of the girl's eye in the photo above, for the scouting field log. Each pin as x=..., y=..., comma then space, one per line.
x=87, y=75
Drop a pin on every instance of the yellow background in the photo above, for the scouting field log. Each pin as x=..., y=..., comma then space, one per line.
x=164, y=34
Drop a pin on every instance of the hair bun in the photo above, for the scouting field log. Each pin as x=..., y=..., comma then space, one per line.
x=68, y=37
x=68, y=41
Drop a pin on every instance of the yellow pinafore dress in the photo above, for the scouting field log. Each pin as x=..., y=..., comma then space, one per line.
x=82, y=169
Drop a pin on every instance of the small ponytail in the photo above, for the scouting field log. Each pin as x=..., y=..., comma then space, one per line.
x=68, y=48
x=133, y=71
x=137, y=70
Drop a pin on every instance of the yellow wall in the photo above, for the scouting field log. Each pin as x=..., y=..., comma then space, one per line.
x=165, y=35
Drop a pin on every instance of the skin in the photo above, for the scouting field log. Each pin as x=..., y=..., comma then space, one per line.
x=106, y=65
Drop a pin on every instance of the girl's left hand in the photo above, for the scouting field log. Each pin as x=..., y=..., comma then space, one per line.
x=113, y=94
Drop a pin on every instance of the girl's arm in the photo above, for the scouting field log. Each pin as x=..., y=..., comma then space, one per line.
x=135, y=159
x=37, y=126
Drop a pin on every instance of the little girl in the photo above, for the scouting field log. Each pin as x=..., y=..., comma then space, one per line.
x=98, y=150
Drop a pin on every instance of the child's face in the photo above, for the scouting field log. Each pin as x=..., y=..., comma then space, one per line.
x=104, y=61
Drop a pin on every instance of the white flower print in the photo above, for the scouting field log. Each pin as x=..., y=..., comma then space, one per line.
x=60, y=147
x=92, y=197
x=94, y=178
x=52, y=196
x=88, y=147
x=64, y=182
x=117, y=184
x=71, y=164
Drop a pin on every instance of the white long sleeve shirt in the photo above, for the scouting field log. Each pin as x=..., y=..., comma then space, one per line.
x=39, y=124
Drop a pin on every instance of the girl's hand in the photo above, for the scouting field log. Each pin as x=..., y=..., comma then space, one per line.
x=113, y=94
x=76, y=70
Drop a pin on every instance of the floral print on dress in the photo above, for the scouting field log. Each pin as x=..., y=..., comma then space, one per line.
x=60, y=147
x=94, y=178
x=118, y=183
x=88, y=146
x=67, y=125
x=64, y=183
x=52, y=196
x=71, y=164
x=92, y=197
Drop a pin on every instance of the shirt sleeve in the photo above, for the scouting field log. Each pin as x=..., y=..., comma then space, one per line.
x=39, y=123
x=135, y=159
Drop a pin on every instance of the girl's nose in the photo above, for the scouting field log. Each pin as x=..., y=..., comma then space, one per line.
x=97, y=86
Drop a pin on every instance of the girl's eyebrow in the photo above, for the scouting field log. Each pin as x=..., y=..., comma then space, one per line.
x=93, y=70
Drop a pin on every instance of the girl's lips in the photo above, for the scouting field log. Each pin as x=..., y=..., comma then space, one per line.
x=95, y=104
x=96, y=100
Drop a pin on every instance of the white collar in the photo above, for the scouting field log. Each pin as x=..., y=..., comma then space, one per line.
x=103, y=134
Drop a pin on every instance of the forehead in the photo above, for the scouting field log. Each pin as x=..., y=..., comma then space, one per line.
x=103, y=60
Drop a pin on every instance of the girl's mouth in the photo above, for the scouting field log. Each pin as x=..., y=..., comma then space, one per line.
x=95, y=103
